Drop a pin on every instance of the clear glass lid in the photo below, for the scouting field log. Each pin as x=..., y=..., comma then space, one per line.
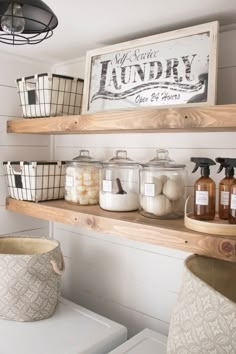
x=121, y=159
x=83, y=157
x=162, y=160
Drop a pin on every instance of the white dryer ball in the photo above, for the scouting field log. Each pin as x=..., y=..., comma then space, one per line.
x=179, y=180
x=158, y=185
x=159, y=205
x=172, y=190
x=163, y=178
x=176, y=177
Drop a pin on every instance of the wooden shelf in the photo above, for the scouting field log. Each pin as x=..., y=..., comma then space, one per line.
x=207, y=118
x=131, y=225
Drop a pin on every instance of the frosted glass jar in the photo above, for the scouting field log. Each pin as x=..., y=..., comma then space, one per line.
x=119, y=186
x=82, y=180
x=162, y=187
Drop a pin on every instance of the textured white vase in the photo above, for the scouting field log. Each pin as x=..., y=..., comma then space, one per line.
x=204, y=318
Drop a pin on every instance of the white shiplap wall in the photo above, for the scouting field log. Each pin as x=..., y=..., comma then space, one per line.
x=134, y=283
x=15, y=146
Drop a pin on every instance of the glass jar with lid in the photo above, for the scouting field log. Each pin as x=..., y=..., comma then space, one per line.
x=119, y=183
x=162, y=187
x=82, y=180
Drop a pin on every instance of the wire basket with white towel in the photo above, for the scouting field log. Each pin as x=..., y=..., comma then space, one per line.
x=35, y=180
x=45, y=95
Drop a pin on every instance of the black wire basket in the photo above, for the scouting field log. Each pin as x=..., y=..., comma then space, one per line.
x=35, y=180
x=45, y=95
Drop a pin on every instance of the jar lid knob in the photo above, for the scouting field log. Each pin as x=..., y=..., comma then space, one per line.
x=84, y=156
x=162, y=154
x=84, y=153
x=121, y=154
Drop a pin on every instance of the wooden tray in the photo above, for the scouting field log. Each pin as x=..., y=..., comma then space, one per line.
x=214, y=227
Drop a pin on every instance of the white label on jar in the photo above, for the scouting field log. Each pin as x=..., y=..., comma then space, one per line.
x=69, y=181
x=201, y=197
x=233, y=201
x=224, y=198
x=108, y=175
x=149, y=189
x=106, y=186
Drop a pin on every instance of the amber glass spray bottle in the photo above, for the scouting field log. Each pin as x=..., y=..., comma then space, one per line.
x=232, y=196
x=225, y=187
x=204, y=190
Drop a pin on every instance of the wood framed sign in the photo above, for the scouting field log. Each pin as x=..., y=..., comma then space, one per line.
x=169, y=69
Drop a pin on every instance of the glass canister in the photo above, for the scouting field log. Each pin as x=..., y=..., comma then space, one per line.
x=119, y=183
x=82, y=180
x=162, y=187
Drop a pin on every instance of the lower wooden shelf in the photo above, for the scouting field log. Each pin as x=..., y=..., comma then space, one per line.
x=131, y=225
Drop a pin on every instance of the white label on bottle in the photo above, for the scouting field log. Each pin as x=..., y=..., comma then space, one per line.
x=69, y=181
x=201, y=197
x=233, y=201
x=149, y=189
x=224, y=198
x=106, y=186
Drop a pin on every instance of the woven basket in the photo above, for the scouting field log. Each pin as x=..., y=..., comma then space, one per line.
x=30, y=277
x=204, y=319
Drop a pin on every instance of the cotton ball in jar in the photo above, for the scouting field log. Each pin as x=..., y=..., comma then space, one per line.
x=78, y=175
x=172, y=190
x=78, y=182
x=73, y=198
x=93, y=194
x=159, y=205
x=70, y=171
x=93, y=201
x=88, y=182
x=69, y=193
x=83, y=200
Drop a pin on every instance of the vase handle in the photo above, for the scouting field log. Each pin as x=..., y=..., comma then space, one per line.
x=56, y=269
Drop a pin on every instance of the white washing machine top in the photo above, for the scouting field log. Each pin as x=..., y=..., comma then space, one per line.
x=71, y=330
x=145, y=342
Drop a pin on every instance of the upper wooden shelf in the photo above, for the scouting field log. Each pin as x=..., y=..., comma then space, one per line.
x=130, y=225
x=207, y=118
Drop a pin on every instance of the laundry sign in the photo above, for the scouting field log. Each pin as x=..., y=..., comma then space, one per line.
x=174, y=68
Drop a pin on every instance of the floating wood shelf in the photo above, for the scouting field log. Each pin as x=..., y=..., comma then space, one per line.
x=207, y=118
x=131, y=225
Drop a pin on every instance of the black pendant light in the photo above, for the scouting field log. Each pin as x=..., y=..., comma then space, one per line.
x=26, y=22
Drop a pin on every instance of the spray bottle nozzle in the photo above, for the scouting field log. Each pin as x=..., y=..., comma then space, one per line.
x=228, y=164
x=204, y=163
